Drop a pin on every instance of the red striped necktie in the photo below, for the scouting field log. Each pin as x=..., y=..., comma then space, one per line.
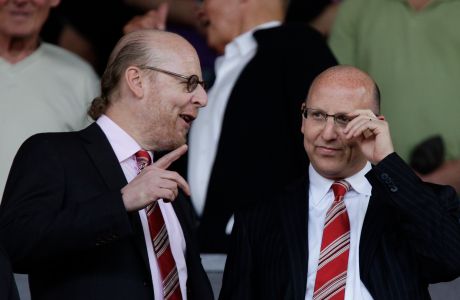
x=160, y=241
x=331, y=275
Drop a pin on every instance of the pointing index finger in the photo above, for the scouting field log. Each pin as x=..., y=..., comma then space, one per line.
x=168, y=159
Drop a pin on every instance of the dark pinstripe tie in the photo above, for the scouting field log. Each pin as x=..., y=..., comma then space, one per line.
x=160, y=241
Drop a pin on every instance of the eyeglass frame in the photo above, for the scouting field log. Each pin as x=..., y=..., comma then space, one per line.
x=188, y=79
x=324, y=116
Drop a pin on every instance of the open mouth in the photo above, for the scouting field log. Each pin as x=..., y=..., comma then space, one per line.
x=187, y=118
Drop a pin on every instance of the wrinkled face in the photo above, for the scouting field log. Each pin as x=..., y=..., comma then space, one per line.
x=222, y=20
x=24, y=18
x=169, y=109
x=330, y=154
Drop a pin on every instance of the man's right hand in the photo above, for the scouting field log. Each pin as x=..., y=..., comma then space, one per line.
x=155, y=182
x=152, y=19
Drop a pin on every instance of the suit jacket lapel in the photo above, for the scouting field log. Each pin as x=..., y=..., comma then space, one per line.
x=106, y=162
x=185, y=224
x=294, y=212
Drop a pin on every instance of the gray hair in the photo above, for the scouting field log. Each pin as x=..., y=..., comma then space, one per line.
x=131, y=49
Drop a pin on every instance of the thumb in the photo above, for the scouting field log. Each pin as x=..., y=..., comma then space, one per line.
x=168, y=159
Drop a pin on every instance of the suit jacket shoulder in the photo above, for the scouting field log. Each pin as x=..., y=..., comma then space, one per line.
x=268, y=254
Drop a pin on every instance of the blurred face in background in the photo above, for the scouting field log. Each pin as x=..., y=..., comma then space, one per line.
x=24, y=18
x=222, y=20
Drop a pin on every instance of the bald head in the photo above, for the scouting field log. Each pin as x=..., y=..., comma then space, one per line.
x=350, y=78
x=138, y=48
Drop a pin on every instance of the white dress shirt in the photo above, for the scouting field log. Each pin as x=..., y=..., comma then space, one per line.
x=356, y=200
x=125, y=148
x=205, y=131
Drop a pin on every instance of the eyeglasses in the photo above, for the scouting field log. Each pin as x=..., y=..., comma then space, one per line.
x=192, y=81
x=320, y=116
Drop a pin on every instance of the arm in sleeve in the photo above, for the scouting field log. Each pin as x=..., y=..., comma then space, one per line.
x=38, y=221
x=430, y=217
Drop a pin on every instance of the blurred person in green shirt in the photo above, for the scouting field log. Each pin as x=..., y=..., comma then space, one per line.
x=411, y=48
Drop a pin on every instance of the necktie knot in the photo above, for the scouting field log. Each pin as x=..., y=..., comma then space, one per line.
x=340, y=188
x=143, y=159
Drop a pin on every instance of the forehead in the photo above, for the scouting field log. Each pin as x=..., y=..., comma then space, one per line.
x=335, y=97
x=185, y=62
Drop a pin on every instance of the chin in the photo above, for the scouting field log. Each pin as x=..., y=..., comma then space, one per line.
x=328, y=171
x=171, y=144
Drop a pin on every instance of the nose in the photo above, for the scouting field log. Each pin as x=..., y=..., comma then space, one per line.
x=329, y=130
x=200, y=98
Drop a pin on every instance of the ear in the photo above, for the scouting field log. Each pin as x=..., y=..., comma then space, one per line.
x=134, y=79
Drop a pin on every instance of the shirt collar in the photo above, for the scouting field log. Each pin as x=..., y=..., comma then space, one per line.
x=122, y=143
x=245, y=42
x=320, y=185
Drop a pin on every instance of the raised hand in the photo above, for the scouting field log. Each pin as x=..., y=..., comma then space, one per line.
x=153, y=19
x=371, y=133
x=155, y=182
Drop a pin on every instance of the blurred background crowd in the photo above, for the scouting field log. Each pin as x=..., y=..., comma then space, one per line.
x=258, y=59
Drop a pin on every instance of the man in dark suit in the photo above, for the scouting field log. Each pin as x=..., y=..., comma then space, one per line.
x=85, y=214
x=261, y=80
x=387, y=237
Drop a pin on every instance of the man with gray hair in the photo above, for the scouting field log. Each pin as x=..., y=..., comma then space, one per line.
x=87, y=214
x=42, y=87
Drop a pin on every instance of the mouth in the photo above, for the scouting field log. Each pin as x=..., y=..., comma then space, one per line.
x=19, y=14
x=325, y=150
x=188, y=118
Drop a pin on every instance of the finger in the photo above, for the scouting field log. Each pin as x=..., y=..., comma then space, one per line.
x=358, y=115
x=168, y=159
x=183, y=185
x=168, y=195
x=167, y=184
x=162, y=15
x=177, y=179
x=354, y=126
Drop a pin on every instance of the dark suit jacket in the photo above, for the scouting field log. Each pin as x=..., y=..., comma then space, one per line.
x=63, y=221
x=260, y=143
x=410, y=238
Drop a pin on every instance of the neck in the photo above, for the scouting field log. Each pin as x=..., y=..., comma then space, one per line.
x=418, y=5
x=15, y=49
x=254, y=16
x=127, y=120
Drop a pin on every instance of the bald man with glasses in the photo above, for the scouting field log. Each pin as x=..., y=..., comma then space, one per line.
x=360, y=225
